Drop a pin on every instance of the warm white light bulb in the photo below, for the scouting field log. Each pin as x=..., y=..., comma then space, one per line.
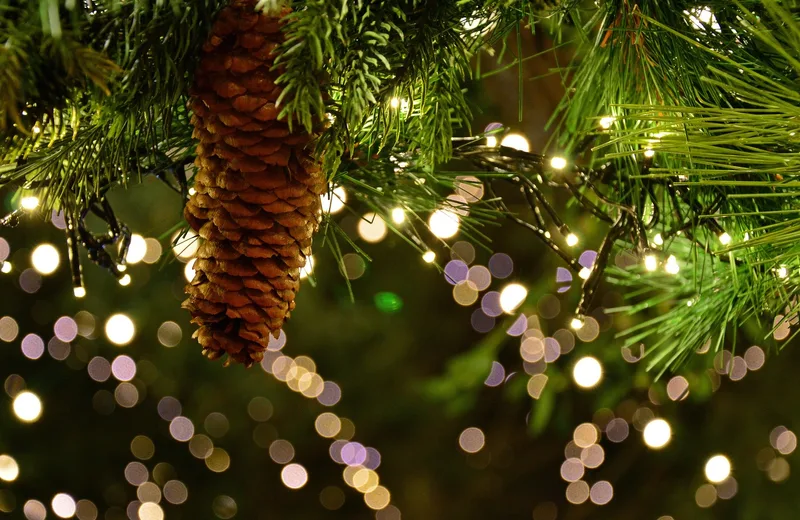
x=572, y=240
x=429, y=256
x=307, y=269
x=782, y=272
x=584, y=273
x=444, y=223
x=333, y=202
x=136, y=250
x=558, y=163
x=120, y=329
x=512, y=297
x=650, y=262
x=587, y=372
x=517, y=142
x=79, y=292
x=649, y=153
x=45, y=259
x=27, y=406
x=657, y=433
x=125, y=280
x=576, y=323
x=725, y=239
x=398, y=215
x=6, y=267
x=718, y=469
x=606, y=122
x=491, y=141
x=658, y=240
x=672, y=266
x=29, y=203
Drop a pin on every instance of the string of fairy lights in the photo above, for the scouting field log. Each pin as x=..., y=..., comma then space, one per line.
x=470, y=284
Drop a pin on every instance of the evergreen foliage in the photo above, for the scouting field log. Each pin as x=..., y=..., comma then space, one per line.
x=703, y=94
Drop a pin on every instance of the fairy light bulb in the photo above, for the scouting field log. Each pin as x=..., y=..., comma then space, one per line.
x=650, y=262
x=512, y=297
x=584, y=273
x=606, y=122
x=398, y=215
x=79, y=292
x=724, y=239
x=45, y=259
x=649, y=153
x=27, y=407
x=6, y=268
x=657, y=434
x=658, y=240
x=125, y=280
x=29, y=203
x=558, y=163
x=782, y=272
x=572, y=240
x=576, y=323
x=672, y=266
x=718, y=469
x=429, y=256
x=517, y=142
x=587, y=372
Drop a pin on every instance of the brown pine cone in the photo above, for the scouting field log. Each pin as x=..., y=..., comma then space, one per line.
x=257, y=186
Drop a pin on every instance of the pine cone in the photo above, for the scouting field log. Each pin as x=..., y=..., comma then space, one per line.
x=258, y=190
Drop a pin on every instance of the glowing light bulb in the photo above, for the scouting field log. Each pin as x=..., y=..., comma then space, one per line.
x=517, y=142
x=120, y=329
x=192, y=191
x=6, y=267
x=587, y=372
x=584, y=273
x=45, y=259
x=718, y=469
x=307, y=269
x=333, y=201
x=512, y=297
x=125, y=280
x=657, y=434
x=572, y=240
x=188, y=270
x=606, y=122
x=558, y=163
x=29, y=203
x=394, y=102
x=649, y=153
x=372, y=228
x=650, y=262
x=672, y=266
x=429, y=256
x=398, y=215
x=136, y=250
x=491, y=141
x=79, y=292
x=782, y=272
x=443, y=223
x=122, y=268
x=63, y=505
x=725, y=239
x=27, y=406
x=657, y=240
x=576, y=323
x=9, y=470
